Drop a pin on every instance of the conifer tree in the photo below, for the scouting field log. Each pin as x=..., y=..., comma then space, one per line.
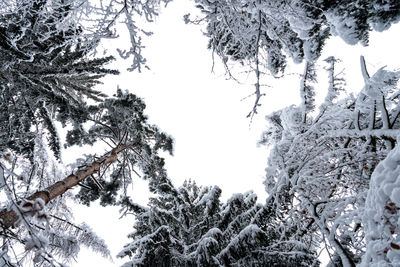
x=47, y=78
x=119, y=122
x=190, y=226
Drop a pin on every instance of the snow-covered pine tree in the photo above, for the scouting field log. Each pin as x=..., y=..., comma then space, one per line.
x=324, y=164
x=121, y=124
x=190, y=226
x=254, y=235
x=47, y=77
x=167, y=231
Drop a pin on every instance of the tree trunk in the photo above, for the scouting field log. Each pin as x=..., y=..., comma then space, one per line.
x=10, y=217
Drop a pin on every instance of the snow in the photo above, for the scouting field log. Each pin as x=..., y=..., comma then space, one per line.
x=395, y=195
x=4, y=259
x=381, y=217
x=344, y=28
x=381, y=213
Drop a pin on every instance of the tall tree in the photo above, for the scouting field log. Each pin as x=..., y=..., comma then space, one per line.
x=47, y=78
x=117, y=121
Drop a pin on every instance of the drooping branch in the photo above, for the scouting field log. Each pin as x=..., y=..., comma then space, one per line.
x=10, y=217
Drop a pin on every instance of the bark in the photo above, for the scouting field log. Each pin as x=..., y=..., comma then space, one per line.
x=364, y=71
x=10, y=217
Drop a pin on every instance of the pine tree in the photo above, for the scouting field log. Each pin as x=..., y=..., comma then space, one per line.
x=119, y=122
x=44, y=77
x=190, y=226
x=167, y=231
x=49, y=77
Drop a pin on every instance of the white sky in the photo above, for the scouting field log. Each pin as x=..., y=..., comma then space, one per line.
x=214, y=143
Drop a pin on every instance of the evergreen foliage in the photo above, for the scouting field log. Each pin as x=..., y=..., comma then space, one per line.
x=190, y=226
x=44, y=76
x=120, y=121
x=243, y=30
x=48, y=78
x=331, y=176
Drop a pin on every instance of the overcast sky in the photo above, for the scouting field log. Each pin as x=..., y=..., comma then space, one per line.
x=215, y=144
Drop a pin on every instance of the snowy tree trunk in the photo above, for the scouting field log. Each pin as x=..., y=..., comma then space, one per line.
x=10, y=217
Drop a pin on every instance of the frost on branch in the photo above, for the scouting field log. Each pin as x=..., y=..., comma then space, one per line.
x=295, y=28
x=381, y=216
x=103, y=20
x=264, y=35
x=319, y=169
x=84, y=22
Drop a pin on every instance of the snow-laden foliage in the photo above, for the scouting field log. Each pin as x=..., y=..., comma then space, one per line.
x=381, y=216
x=240, y=30
x=120, y=121
x=262, y=35
x=47, y=80
x=87, y=22
x=190, y=226
x=43, y=76
x=43, y=235
x=321, y=162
